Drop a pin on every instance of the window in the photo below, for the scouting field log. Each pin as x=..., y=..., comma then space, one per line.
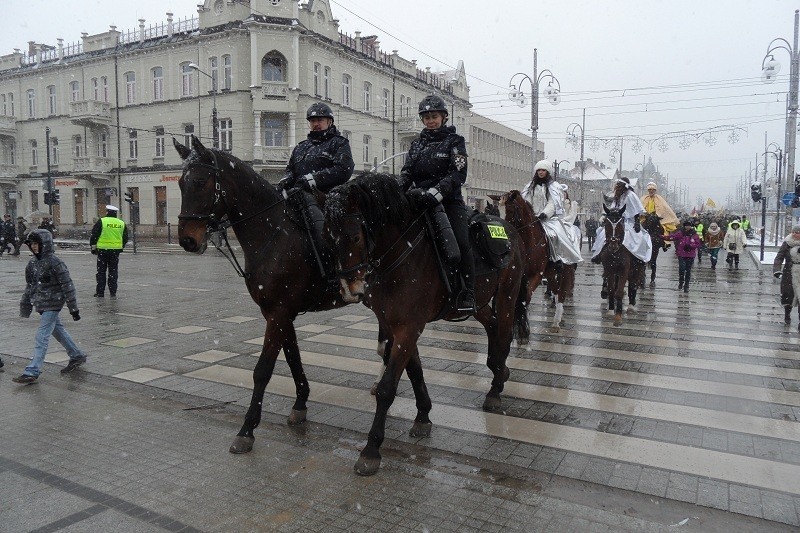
x=53, y=151
x=188, y=131
x=273, y=67
x=225, y=132
x=102, y=145
x=11, y=104
x=385, y=150
x=402, y=104
x=51, y=100
x=346, y=80
x=34, y=200
x=367, y=142
x=386, y=103
x=130, y=87
x=213, y=67
x=367, y=97
x=408, y=106
x=104, y=84
x=317, y=66
x=95, y=89
x=4, y=104
x=74, y=91
x=158, y=83
x=160, y=141
x=227, y=72
x=274, y=131
x=31, y=103
x=77, y=143
x=34, y=153
x=187, y=80
x=327, y=83
x=12, y=153
x=133, y=144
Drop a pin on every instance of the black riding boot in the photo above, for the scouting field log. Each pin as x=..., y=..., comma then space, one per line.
x=787, y=314
x=316, y=227
x=466, y=301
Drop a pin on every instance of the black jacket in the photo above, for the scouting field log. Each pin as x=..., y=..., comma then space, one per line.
x=48, y=285
x=326, y=155
x=438, y=158
x=8, y=231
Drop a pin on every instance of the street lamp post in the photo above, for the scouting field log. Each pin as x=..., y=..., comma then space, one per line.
x=556, y=165
x=770, y=71
x=49, y=178
x=779, y=159
x=214, y=122
x=571, y=136
x=552, y=93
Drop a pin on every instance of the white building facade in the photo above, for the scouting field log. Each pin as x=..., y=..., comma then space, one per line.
x=108, y=106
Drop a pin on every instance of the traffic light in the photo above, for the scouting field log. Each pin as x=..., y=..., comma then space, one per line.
x=47, y=198
x=129, y=197
x=797, y=185
x=755, y=192
x=55, y=197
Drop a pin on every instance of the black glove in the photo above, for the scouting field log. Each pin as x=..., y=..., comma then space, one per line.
x=542, y=216
x=422, y=199
x=637, y=225
x=404, y=182
x=94, y=249
x=286, y=183
x=75, y=315
x=777, y=274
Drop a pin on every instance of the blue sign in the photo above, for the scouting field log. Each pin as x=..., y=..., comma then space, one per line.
x=787, y=198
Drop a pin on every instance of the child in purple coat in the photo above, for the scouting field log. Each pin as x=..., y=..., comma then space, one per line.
x=686, y=244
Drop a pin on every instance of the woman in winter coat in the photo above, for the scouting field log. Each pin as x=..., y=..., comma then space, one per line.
x=786, y=267
x=713, y=239
x=734, y=243
x=686, y=244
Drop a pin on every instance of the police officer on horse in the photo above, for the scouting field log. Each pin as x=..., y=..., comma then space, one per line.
x=319, y=163
x=434, y=171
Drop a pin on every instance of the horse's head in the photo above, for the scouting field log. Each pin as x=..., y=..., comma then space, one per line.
x=652, y=223
x=202, y=197
x=614, y=227
x=515, y=209
x=354, y=213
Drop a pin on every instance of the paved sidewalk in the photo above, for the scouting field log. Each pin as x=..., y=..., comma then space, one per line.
x=91, y=453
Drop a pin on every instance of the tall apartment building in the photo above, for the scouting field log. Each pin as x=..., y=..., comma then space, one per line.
x=108, y=106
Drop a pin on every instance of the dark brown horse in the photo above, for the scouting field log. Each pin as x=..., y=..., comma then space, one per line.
x=620, y=267
x=652, y=223
x=219, y=190
x=536, y=250
x=385, y=257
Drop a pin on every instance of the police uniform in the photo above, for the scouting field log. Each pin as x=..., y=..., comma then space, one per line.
x=436, y=168
x=109, y=236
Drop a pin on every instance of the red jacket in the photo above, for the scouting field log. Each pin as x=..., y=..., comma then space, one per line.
x=686, y=245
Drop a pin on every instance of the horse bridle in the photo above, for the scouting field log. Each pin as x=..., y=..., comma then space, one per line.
x=613, y=237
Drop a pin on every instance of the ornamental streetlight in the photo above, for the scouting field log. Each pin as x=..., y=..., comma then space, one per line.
x=556, y=165
x=778, y=154
x=552, y=92
x=770, y=69
x=214, y=124
x=572, y=138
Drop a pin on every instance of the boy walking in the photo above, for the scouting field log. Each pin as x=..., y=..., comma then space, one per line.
x=48, y=286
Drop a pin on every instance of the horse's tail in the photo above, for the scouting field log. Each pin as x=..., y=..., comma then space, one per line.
x=522, y=330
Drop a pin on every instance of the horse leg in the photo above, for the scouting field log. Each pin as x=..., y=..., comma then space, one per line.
x=382, y=339
x=273, y=339
x=499, y=333
x=292, y=353
x=522, y=329
x=619, y=293
x=422, y=423
x=387, y=348
x=405, y=343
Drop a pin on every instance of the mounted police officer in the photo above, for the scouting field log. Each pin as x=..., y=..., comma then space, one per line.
x=319, y=163
x=434, y=171
x=109, y=236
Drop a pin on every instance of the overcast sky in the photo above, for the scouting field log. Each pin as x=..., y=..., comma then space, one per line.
x=639, y=67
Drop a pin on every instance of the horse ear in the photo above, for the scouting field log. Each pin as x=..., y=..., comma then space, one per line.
x=605, y=209
x=182, y=150
x=197, y=145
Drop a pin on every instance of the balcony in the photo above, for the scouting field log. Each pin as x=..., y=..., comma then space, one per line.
x=406, y=125
x=8, y=126
x=92, y=164
x=272, y=154
x=8, y=171
x=275, y=90
x=90, y=113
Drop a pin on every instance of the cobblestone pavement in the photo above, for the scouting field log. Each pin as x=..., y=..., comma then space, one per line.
x=687, y=411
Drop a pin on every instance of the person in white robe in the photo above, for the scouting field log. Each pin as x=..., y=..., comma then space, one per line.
x=637, y=240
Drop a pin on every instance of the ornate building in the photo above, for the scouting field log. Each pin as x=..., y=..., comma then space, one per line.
x=99, y=114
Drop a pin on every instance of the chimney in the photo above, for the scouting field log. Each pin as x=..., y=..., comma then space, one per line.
x=141, y=30
x=60, y=49
x=170, y=29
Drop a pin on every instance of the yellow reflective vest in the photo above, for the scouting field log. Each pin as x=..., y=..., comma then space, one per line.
x=111, y=234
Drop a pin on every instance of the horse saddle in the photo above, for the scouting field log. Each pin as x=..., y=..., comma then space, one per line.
x=490, y=242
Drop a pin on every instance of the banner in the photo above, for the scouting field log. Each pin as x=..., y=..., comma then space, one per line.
x=711, y=203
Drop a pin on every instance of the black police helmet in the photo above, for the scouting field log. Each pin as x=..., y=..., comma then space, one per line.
x=432, y=103
x=319, y=110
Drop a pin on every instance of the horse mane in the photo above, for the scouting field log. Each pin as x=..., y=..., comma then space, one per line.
x=242, y=172
x=378, y=196
x=518, y=211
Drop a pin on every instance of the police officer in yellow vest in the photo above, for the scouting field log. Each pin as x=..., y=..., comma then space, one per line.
x=109, y=237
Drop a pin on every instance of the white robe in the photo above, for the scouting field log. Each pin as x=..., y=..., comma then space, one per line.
x=639, y=244
x=564, y=246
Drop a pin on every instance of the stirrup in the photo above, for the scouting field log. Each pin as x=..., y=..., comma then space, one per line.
x=466, y=302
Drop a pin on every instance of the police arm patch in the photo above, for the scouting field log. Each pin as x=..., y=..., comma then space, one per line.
x=460, y=161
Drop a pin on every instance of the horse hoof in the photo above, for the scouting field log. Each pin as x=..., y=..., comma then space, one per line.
x=554, y=329
x=381, y=349
x=242, y=444
x=492, y=403
x=506, y=374
x=367, y=466
x=374, y=390
x=617, y=320
x=421, y=429
x=522, y=342
x=652, y=284
x=297, y=417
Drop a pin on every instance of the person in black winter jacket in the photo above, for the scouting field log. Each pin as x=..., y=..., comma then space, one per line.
x=434, y=171
x=48, y=287
x=319, y=163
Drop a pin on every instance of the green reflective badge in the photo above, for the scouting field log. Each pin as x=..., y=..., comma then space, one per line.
x=497, y=232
